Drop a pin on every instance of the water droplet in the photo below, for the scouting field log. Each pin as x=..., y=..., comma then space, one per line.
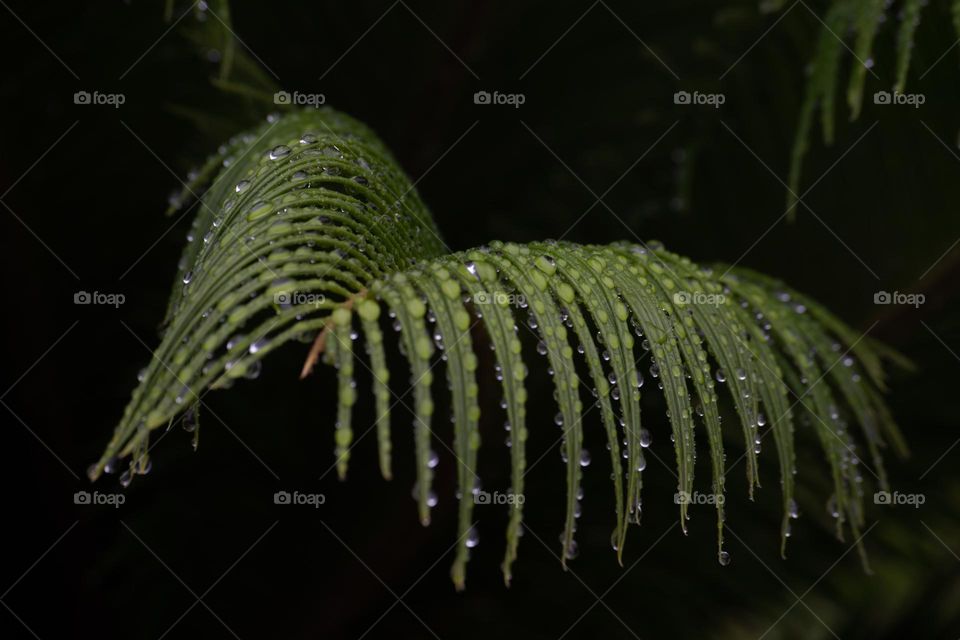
x=832, y=507
x=188, y=277
x=242, y=186
x=721, y=376
x=472, y=269
x=473, y=538
x=724, y=558
x=279, y=152
x=111, y=465
x=189, y=420
x=646, y=438
x=126, y=478
x=584, y=458
x=253, y=370
x=433, y=460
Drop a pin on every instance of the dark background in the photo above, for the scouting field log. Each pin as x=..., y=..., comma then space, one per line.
x=84, y=189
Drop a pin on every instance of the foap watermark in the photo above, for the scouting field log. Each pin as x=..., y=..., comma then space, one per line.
x=99, y=499
x=95, y=97
x=684, y=497
x=99, y=298
x=297, y=498
x=512, y=99
x=896, y=98
x=501, y=298
x=697, y=98
x=485, y=497
x=895, y=297
x=299, y=99
x=897, y=499
x=297, y=298
x=699, y=297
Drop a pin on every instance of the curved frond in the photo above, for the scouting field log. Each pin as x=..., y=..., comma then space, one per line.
x=308, y=230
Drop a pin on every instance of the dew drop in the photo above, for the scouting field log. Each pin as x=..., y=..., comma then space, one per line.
x=646, y=438
x=279, y=151
x=253, y=370
x=472, y=269
x=473, y=538
x=792, y=510
x=584, y=458
x=111, y=465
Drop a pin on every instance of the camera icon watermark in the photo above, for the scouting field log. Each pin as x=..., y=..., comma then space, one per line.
x=287, y=299
x=697, y=98
x=485, y=497
x=96, y=98
x=896, y=98
x=98, y=499
x=97, y=298
x=512, y=99
x=684, y=497
x=296, y=98
x=301, y=499
x=895, y=297
x=682, y=298
x=896, y=498
x=501, y=298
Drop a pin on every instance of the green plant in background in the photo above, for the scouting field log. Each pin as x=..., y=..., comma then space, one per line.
x=862, y=19
x=308, y=230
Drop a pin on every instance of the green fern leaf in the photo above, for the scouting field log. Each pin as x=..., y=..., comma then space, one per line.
x=308, y=229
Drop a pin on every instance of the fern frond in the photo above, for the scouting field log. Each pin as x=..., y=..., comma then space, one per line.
x=308, y=229
x=862, y=19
